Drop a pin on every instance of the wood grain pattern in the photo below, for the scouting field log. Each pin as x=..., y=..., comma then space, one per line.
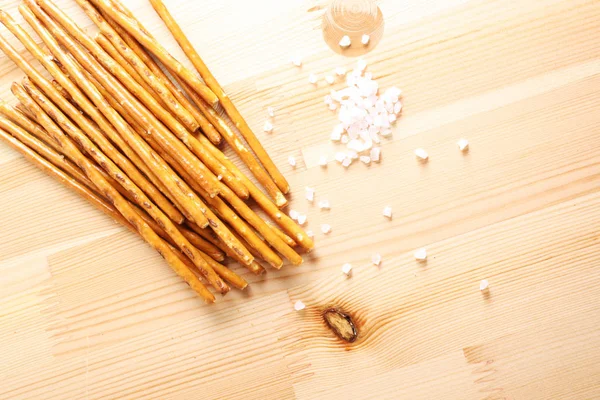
x=88, y=311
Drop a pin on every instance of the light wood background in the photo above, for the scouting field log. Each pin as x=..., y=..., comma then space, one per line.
x=88, y=311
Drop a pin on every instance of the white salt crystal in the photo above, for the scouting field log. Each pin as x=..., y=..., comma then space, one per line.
x=297, y=60
x=345, y=139
x=299, y=306
x=326, y=228
x=345, y=42
x=365, y=39
x=392, y=118
x=312, y=78
x=268, y=127
x=271, y=111
x=310, y=194
x=386, y=132
x=330, y=79
x=340, y=71
x=376, y=259
x=387, y=212
x=347, y=269
x=328, y=99
x=484, y=285
x=397, y=107
x=323, y=161
x=336, y=134
x=365, y=159
x=333, y=106
x=421, y=254
x=324, y=205
x=347, y=161
x=301, y=219
x=375, y=154
x=292, y=161
x=340, y=156
x=310, y=234
x=294, y=214
x=361, y=65
x=463, y=144
x=421, y=154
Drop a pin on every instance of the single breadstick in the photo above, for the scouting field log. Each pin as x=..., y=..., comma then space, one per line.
x=208, y=129
x=98, y=137
x=285, y=222
x=137, y=72
x=163, y=221
x=137, y=31
x=226, y=102
x=231, y=138
x=185, y=197
x=288, y=240
x=110, y=193
x=175, y=147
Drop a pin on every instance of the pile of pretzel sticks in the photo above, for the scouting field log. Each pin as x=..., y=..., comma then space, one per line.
x=112, y=125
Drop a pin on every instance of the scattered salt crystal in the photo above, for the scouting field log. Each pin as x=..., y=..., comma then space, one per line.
x=323, y=161
x=324, y=205
x=352, y=155
x=326, y=228
x=347, y=269
x=365, y=159
x=297, y=60
x=421, y=154
x=268, y=127
x=484, y=285
x=421, y=254
x=463, y=144
x=345, y=139
x=347, y=161
x=310, y=193
x=336, y=134
x=361, y=65
x=301, y=219
x=397, y=107
x=392, y=118
x=310, y=234
x=312, y=78
x=340, y=156
x=271, y=112
x=345, y=42
x=330, y=79
x=376, y=259
x=375, y=154
x=328, y=99
x=386, y=132
x=299, y=306
x=387, y=212
x=292, y=161
x=294, y=214
x=365, y=39
x=340, y=71
x=333, y=106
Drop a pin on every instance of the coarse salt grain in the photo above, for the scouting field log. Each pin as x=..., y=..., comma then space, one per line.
x=328, y=99
x=323, y=161
x=421, y=154
x=294, y=214
x=421, y=254
x=387, y=212
x=330, y=79
x=365, y=159
x=347, y=269
x=268, y=127
x=271, y=112
x=324, y=205
x=376, y=259
x=345, y=42
x=299, y=306
x=347, y=161
x=312, y=78
x=484, y=285
x=345, y=139
x=310, y=193
x=463, y=144
x=310, y=234
x=333, y=106
x=340, y=157
x=292, y=161
x=326, y=228
x=297, y=60
x=301, y=219
x=340, y=71
x=365, y=39
x=375, y=154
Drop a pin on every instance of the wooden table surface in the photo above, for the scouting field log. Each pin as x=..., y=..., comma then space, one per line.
x=87, y=310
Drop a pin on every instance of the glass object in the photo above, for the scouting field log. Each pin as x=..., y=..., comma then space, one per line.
x=355, y=19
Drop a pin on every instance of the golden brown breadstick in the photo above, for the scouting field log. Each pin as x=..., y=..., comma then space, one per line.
x=208, y=129
x=226, y=102
x=288, y=240
x=137, y=31
x=122, y=161
x=110, y=193
x=163, y=221
x=178, y=189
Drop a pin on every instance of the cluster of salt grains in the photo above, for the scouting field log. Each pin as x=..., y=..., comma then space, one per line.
x=364, y=115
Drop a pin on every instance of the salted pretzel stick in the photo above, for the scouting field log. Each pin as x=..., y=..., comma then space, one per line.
x=160, y=52
x=166, y=224
x=173, y=146
x=109, y=192
x=179, y=189
x=117, y=54
x=97, y=136
x=226, y=102
x=207, y=128
x=288, y=240
x=285, y=222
